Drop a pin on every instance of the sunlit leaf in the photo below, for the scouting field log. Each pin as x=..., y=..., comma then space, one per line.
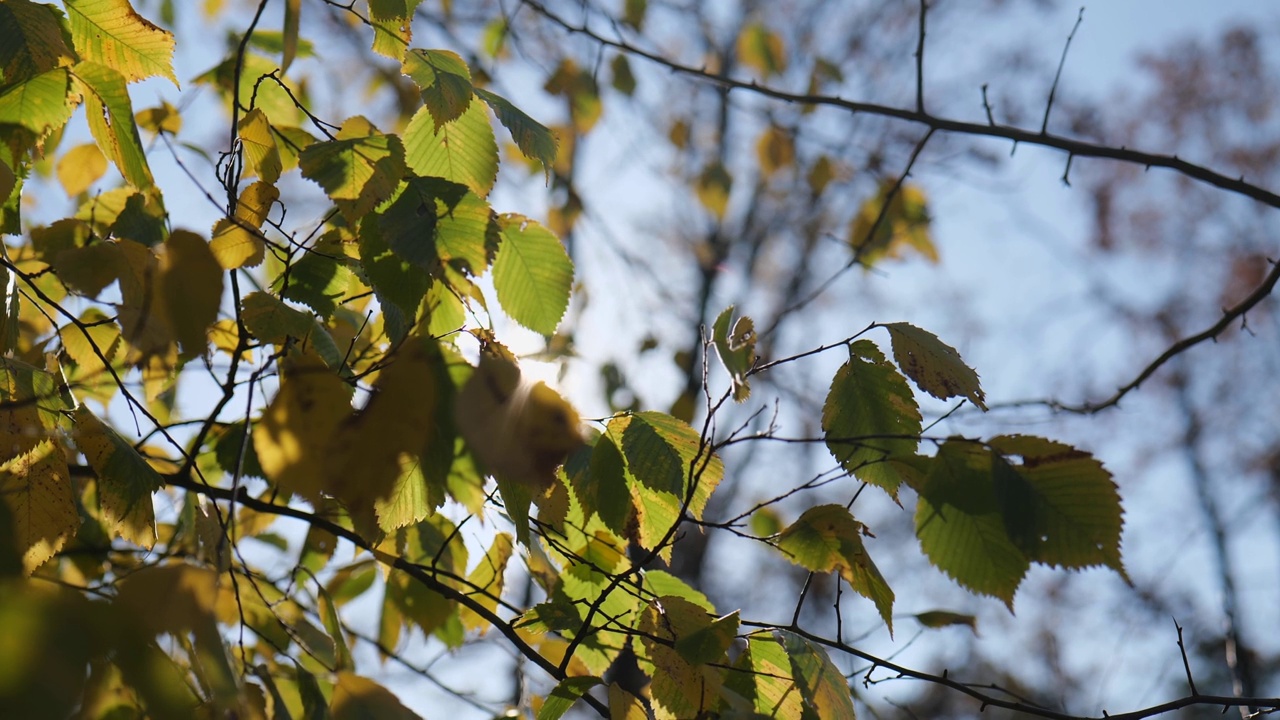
x=111, y=33
x=683, y=687
x=292, y=438
x=822, y=686
x=164, y=118
x=485, y=582
x=262, y=157
x=36, y=487
x=877, y=232
x=532, y=274
x=445, y=82
x=713, y=188
x=110, y=116
x=934, y=366
x=533, y=139
x=359, y=698
x=870, y=417
x=392, y=22
x=564, y=695
x=357, y=173
x=461, y=150
x=81, y=167
x=40, y=104
x=125, y=480
x=826, y=538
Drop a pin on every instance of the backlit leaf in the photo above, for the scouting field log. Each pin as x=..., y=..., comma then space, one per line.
x=533, y=139
x=36, y=487
x=877, y=232
x=485, y=582
x=392, y=26
x=40, y=104
x=870, y=417
x=35, y=41
x=736, y=348
x=683, y=688
x=532, y=274
x=262, y=158
x=125, y=480
x=822, y=686
x=164, y=118
x=293, y=436
x=713, y=188
x=974, y=549
x=190, y=289
x=826, y=538
x=934, y=366
x=111, y=33
x=81, y=167
x=110, y=115
x=445, y=82
x=357, y=173
x=461, y=150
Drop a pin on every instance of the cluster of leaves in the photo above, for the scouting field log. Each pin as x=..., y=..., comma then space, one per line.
x=353, y=336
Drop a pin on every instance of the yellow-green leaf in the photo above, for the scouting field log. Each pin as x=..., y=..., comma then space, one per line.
x=822, y=686
x=292, y=16
x=946, y=618
x=761, y=49
x=826, y=538
x=261, y=155
x=392, y=22
x=125, y=480
x=485, y=581
x=359, y=698
x=235, y=246
x=935, y=366
x=445, y=82
x=111, y=33
x=357, y=173
x=683, y=687
x=40, y=104
x=110, y=116
x=36, y=486
x=164, y=118
x=870, y=417
x=714, y=185
x=461, y=150
x=737, y=350
x=532, y=274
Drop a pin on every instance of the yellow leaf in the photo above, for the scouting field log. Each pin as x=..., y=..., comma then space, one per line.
x=111, y=33
x=37, y=488
x=255, y=202
x=236, y=246
x=225, y=336
x=519, y=431
x=760, y=49
x=293, y=436
x=190, y=289
x=714, y=185
x=125, y=480
x=87, y=270
x=364, y=459
x=81, y=167
x=624, y=706
x=776, y=150
x=164, y=118
x=143, y=326
x=358, y=698
x=176, y=598
x=486, y=581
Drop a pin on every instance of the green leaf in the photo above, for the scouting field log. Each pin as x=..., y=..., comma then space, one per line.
x=974, y=550
x=737, y=350
x=763, y=675
x=685, y=684
x=445, y=82
x=292, y=15
x=935, y=366
x=357, y=173
x=532, y=274
x=945, y=618
x=660, y=582
x=870, y=417
x=318, y=280
x=111, y=33
x=111, y=122
x=394, y=279
x=40, y=104
x=462, y=150
x=602, y=488
x=564, y=695
x=333, y=624
x=822, y=686
x=1073, y=503
x=826, y=538
x=533, y=139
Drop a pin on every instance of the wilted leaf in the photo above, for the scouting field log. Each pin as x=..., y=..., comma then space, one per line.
x=934, y=366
